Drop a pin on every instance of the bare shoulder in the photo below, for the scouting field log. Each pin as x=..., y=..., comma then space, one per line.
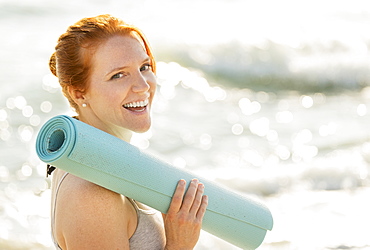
x=90, y=215
x=79, y=191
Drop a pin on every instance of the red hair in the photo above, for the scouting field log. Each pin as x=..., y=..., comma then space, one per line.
x=71, y=61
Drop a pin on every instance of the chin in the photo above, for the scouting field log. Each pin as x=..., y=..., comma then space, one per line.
x=142, y=129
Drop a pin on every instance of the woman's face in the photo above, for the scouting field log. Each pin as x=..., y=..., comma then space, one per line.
x=121, y=88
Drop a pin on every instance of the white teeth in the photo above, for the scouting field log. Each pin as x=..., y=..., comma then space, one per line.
x=136, y=104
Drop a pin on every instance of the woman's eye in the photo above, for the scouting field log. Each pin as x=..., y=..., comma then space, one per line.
x=146, y=67
x=117, y=76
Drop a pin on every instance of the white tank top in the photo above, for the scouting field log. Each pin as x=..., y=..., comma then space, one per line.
x=149, y=233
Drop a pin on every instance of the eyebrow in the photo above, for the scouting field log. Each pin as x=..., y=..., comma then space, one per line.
x=124, y=67
x=116, y=69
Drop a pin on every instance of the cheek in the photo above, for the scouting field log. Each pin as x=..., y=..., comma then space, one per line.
x=105, y=97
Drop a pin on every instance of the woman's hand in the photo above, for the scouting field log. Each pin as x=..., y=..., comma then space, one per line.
x=183, y=220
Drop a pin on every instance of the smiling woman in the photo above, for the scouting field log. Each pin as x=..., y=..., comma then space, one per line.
x=107, y=72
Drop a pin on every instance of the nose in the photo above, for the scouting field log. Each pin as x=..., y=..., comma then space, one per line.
x=141, y=83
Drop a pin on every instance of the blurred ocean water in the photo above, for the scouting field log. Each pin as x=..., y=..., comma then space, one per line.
x=270, y=98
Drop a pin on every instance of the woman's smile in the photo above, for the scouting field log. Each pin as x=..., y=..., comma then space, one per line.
x=138, y=106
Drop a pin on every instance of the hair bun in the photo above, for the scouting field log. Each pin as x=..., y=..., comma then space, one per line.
x=53, y=64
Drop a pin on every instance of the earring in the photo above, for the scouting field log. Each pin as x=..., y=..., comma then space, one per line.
x=84, y=105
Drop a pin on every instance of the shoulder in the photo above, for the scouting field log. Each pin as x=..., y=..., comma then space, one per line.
x=90, y=214
x=76, y=192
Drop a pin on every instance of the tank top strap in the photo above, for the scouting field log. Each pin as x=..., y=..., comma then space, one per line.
x=132, y=201
x=53, y=212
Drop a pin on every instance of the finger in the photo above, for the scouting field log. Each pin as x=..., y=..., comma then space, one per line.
x=197, y=199
x=177, y=197
x=190, y=195
x=203, y=207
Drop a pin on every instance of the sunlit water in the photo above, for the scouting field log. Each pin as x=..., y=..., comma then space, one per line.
x=267, y=98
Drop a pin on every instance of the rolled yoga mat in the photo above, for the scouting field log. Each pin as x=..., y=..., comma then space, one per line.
x=101, y=158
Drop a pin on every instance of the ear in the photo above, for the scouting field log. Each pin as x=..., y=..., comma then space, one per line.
x=78, y=96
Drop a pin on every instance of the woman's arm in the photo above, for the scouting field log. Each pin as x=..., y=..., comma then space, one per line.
x=92, y=217
x=183, y=220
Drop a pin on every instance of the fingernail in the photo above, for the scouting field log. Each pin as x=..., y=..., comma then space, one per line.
x=205, y=197
x=182, y=182
x=195, y=181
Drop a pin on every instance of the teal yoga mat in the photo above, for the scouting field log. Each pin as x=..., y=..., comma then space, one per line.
x=96, y=156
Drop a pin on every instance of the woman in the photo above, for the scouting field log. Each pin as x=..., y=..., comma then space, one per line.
x=107, y=72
